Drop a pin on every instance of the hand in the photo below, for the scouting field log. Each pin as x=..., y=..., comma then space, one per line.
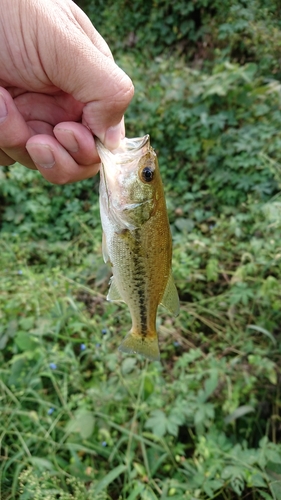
x=59, y=86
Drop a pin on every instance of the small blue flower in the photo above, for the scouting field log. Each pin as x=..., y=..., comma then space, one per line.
x=104, y=443
x=50, y=411
x=20, y=272
x=97, y=345
x=83, y=347
x=53, y=366
x=176, y=343
x=104, y=331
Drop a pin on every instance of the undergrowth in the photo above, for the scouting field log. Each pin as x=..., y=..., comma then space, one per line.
x=79, y=420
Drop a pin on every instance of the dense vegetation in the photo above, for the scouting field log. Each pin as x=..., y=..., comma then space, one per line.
x=80, y=420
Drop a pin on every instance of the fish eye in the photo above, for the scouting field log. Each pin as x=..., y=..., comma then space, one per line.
x=147, y=174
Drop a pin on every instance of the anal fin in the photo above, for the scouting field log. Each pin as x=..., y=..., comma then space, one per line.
x=113, y=292
x=170, y=299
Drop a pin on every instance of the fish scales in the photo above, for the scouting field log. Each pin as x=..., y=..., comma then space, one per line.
x=139, y=275
x=137, y=240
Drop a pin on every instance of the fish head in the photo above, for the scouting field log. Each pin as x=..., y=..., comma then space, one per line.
x=130, y=185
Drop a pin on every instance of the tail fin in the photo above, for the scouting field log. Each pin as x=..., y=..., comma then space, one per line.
x=137, y=344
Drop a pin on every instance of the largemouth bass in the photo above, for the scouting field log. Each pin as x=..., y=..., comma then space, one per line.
x=136, y=239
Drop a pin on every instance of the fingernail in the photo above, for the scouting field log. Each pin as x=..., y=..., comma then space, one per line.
x=68, y=139
x=3, y=109
x=113, y=136
x=42, y=155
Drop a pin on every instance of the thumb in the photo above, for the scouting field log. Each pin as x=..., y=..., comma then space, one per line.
x=77, y=62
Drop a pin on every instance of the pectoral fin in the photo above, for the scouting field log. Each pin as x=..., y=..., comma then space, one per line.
x=170, y=299
x=113, y=292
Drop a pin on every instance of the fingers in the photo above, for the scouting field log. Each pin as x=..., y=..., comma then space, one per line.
x=78, y=140
x=72, y=159
x=69, y=77
x=14, y=132
x=5, y=160
x=75, y=64
x=59, y=50
x=64, y=154
x=52, y=109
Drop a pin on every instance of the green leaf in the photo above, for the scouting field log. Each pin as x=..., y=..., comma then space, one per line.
x=211, y=384
x=148, y=494
x=211, y=486
x=184, y=225
x=3, y=340
x=273, y=455
x=83, y=423
x=212, y=269
x=260, y=329
x=237, y=484
x=128, y=364
x=258, y=481
x=26, y=323
x=148, y=386
x=41, y=463
x=157, y=422
x=172, y=428
x=199, y=416
x=25, y=341
x=138, y=489
x=161, y=423
x=239, y=412
x=109, y=478
x=264, y=495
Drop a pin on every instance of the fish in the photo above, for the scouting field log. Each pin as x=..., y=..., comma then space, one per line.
x=137, y=239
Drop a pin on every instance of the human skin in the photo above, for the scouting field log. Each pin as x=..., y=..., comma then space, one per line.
x=59, y=87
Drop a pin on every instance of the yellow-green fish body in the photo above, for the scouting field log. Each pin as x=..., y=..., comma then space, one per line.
x=137, y=239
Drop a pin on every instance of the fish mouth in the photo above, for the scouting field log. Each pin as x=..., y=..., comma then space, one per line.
x=133, y=145
x=128, y=150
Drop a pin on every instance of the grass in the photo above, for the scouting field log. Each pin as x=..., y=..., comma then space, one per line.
x=80, y=420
